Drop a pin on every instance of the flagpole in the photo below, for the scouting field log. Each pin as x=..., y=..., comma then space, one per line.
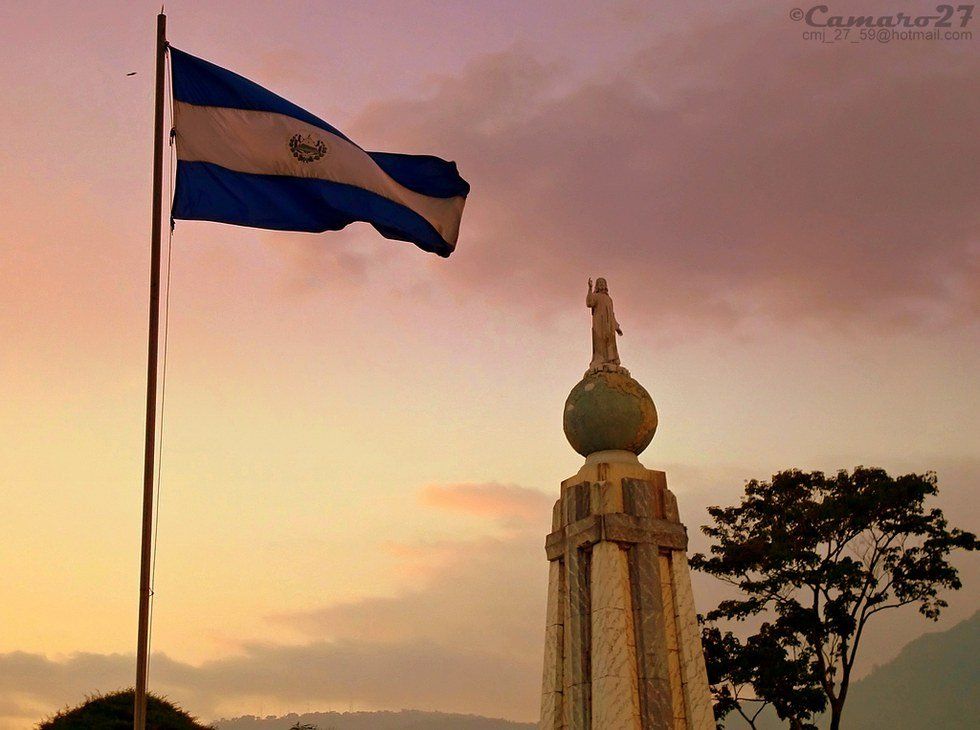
x=149, y=450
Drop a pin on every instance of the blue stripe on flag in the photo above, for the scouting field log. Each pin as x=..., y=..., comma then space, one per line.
x=200, y=82
x=206, y=191
x=424, y=174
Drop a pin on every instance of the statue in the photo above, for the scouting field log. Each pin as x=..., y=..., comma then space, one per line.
x=605, y=355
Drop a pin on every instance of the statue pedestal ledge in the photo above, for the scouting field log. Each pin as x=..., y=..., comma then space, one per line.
x=607, y=368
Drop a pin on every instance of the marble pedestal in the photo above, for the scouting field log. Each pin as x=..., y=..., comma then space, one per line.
x=622, y=645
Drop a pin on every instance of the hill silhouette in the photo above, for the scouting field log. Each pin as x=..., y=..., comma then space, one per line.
x=934, y=682
x=403, y=720
x=114, y=711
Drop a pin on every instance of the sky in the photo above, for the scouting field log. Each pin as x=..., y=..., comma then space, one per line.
x=362, y=442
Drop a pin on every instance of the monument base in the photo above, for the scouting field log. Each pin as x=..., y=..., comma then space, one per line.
x=622, y=643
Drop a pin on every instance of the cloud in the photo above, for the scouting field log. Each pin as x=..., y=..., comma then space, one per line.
x=33, y=686
x=374, y=674
x=483, y=594
x=496, y=501
x=716, y=183
x=304, y=268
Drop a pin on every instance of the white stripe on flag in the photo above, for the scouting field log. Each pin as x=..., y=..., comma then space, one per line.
x=259, y=142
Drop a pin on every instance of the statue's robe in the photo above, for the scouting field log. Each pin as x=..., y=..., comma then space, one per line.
x=604, y=328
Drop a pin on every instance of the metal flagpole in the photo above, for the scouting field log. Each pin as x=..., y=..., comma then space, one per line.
x=142, y=647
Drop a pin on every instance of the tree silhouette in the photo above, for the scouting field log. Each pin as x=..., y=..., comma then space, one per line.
x=817, y=557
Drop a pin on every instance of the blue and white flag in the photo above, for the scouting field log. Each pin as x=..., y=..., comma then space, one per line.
x=249, y=157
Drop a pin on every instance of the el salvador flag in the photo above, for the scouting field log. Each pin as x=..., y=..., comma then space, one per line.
x=249, y=157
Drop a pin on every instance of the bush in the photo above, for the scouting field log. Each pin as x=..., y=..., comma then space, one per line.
x=114, y=711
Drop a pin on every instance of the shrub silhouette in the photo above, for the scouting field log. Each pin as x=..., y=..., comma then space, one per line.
x=114, y=711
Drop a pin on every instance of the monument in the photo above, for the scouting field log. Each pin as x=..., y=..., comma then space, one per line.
x=622, y=644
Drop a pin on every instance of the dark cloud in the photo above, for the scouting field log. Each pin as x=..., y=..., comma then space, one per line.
x=33, y=686
x=732, y=173
x=407, y=674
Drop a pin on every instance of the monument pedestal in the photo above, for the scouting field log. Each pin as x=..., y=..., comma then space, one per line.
x=622, y=643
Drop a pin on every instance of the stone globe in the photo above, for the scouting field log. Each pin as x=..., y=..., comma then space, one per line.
x=609, y=410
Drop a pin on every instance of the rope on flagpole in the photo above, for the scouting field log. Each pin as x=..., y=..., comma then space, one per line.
x=163, y=366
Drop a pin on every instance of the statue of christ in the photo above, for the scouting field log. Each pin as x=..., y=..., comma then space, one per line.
x=604, y=326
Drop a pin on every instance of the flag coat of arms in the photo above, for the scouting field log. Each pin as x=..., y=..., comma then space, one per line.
x=247, y=156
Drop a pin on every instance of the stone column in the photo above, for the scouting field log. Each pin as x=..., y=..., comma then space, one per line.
x=622, y=645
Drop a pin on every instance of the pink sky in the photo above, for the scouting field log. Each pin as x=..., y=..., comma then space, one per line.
x=362, y=441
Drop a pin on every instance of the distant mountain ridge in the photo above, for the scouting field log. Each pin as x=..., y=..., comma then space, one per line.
x=933, y=684
x=403, y=720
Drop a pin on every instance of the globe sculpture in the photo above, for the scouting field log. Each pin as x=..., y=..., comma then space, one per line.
x=607, y=411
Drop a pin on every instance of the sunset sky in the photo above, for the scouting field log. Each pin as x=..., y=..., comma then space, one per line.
x=362, y=441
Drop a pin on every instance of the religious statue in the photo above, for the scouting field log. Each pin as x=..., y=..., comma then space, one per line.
x=605, y=355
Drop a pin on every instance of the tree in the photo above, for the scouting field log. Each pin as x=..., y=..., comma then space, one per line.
x=818, y=557
x=730, y=675
x=748, y=677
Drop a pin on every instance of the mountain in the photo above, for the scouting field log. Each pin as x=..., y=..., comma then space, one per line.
x=403, y=720
x=934, y=682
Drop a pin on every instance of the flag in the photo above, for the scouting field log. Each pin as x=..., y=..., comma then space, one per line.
x=251, y=158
